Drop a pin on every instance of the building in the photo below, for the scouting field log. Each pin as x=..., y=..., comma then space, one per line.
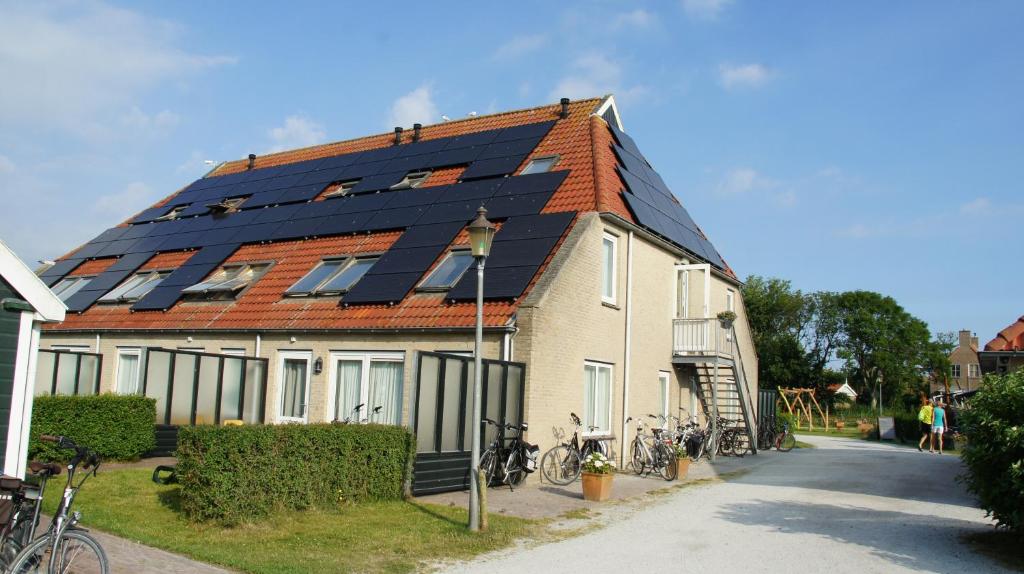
x=965, y=366
x=1005, y=352
x=335, y=276
x=843, y=389
x=25, y=305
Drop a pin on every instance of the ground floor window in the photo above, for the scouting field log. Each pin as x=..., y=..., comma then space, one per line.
x=129, y=363
x=294, y=382
x=369, y=379
x=597, y=396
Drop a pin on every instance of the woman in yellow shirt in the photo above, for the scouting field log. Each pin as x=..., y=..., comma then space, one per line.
x=925, y=418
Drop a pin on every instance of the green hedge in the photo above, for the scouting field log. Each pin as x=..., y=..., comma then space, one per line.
x=781, y=418
x=240, y=473
x=117, y=427
x=994, y=453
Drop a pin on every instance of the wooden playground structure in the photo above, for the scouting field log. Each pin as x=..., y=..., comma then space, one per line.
x=801, y=409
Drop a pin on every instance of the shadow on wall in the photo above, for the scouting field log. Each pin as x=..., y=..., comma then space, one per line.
x=907, y=540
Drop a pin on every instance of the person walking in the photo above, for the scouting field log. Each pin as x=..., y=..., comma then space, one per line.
x=924, y=416
x=938, y=425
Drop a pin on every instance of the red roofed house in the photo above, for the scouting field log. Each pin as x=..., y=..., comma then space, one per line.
x=295, y=286
x=1004, y=353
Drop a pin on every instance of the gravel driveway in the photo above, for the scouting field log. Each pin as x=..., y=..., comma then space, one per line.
x=845, y=506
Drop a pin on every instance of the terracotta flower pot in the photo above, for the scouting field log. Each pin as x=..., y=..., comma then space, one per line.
x=840, y=425
x=682, y=466
x=597, y=487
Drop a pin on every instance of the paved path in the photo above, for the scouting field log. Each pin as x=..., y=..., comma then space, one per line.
x=846, y=506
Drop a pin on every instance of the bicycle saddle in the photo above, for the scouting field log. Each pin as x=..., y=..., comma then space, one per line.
x=36, y=467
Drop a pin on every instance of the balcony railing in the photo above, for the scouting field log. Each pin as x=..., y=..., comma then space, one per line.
x=700, y=337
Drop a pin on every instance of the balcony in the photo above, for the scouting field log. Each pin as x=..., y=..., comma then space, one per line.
x=701, y=338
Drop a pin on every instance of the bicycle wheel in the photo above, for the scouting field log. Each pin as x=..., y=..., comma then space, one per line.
x=637, y=456
x=560, y=465
x=725, y=443
x=515, y=474
x=787, y=442
x=739, y=444
x=667, y=467
x=76, y=552
x=489, y=464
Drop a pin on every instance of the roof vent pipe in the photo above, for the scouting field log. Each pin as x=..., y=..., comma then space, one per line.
x=398, y=136
x=416, y=132
x=252, y=161
x=565, y=109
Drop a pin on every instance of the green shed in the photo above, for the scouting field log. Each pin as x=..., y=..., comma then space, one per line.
x=25, y=303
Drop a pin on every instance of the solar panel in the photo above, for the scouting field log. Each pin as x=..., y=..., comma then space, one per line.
x=165, y=228
x=257, y=232
x=492, y=167
x=499, y=283
x=472, y=190
x=62, y=268
x=360, y=170
x=146, y=245
x=160, y=298
x=509, y=148
x=116, y=247
x=632, y=164
x=343, y=223
x=322, y=177
x=150, y=214
x=422, y=235
x=91, y=249
x=280, y=213
x=218, y=236
x=457, y=156
x=409, y=163
x=188, y=275
x=264, y=198
x=337, y=161
x=459, y=211
x=377, y=182
x=519, y=252
x=298, y=228
x=513, y=205
x=83, y=300
x=417, y=196
x=532, y=183
x=389, y=288
x=284, y=182
x=625, y=141
x=534, y=226
x=422, y=147
x=417, y=259
x=213, y=254
x=180, y=241
x=198, y=208
x=302, y=193
x=537, y=130
x=365, y=202
x=399, y=218
x=379, y=154
x=110, y=234
x=474, y=139
x=137, y=231
x=235, y=219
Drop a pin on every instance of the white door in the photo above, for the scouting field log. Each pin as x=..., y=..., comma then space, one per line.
x=293, y=386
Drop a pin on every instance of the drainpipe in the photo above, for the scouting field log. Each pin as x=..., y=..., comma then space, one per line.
x=628, y=351
x=97, y=343
x=258, y=339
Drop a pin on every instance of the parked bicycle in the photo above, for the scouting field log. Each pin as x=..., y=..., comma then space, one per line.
x=354, y=416
x=20, y=505
x=785, y=440
x=658, y=456
x=508, y=464
x=766, y=433
x=65, y=547
x=562, y=464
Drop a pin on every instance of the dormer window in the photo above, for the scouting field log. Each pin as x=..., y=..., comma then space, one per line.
x=342, y=189
x=448, y=272
x=69, y=286
x=412, y=180
x=136, y=287
x=227, y=282
x=540, y=165
x=332, y=277
x=172, y=214
x=229, y=205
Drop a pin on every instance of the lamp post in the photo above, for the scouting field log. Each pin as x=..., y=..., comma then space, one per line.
x=481, y=232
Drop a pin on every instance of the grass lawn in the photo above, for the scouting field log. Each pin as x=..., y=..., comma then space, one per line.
x=393, y=536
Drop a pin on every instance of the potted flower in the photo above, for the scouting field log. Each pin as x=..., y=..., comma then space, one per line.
x=682, y=461
x=597, y=477
x=726, y=318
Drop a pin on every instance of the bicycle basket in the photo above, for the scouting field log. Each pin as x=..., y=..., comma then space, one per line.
x=530, y=454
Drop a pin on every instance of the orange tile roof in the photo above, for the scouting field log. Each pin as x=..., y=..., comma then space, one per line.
x=582, y=142
x=1009, y=339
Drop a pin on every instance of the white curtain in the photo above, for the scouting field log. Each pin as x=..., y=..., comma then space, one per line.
x=294, y=388
x=385, y=391
x=128, y=374
x=604, y=391
x=589, y=397
x=346, y=390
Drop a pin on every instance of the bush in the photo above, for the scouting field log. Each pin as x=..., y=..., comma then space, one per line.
x=908, y=428
x=783, y=417
x=994, y=453
x=118, y=427
x=240, y=473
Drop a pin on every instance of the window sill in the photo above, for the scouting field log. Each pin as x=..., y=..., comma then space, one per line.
x=611, y=305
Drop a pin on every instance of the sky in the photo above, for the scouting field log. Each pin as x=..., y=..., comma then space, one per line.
x=862, y=145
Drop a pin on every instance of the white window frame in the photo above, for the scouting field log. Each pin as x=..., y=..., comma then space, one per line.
x=172, y=214
x=72, y=348
x=342, y=189
x=214, y=286
x=554, y=157
x=345, y=262
x=441, y=288
x=683, y=287
x=973, y=370
x=730, y=300
x=614, y=240
x=283, y=356
x=116, y=295
x=413, y=179
x=955, y=370
x=611, y=396
x=137, y=352
x=367, y=357
x=665, y=386
x=233, y=351
x=79, y=281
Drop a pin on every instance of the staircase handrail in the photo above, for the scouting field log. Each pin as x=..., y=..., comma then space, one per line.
x=741, y=386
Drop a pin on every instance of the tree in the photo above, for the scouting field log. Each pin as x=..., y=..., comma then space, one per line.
x=777, y=315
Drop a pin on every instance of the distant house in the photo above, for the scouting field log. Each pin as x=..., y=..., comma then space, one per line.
x=843, y=389
x=1005, y=352
x=336, y=282
x=965, y=366
x=25, y=303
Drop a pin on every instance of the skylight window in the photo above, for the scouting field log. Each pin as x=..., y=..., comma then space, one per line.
x=540, y=165
x=227, y=282
x=228, y=205
x=448, y=273
x=413, y=179
x=135, y=287
x=332, y=276
x=172, y=214
x=342, y=189
x=69, y=286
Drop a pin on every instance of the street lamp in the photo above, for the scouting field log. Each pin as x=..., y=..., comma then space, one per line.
x=481, y=232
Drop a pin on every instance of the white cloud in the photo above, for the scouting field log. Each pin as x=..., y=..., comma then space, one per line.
x=296, y=132
x=638, y=18
x=415, y=107
x=6, y=165
x=979, y=206
x=76, y=66
x=160, y=123
x=743, y=76
x=135, y=197
x=520, y=46
x=705, y=9
x=595, y=75
x=744, y=181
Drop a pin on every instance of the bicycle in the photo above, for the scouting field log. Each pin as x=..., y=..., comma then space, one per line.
x=354, y=417
x=65, y=547
x=659, y=457
x=766, y=433
x=515, y=461
x=563, y=464
x=785, y=440
x=23, y=509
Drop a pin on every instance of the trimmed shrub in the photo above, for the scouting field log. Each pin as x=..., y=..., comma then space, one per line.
x=994, y=454
x=908, y=428
x=238, y=474
x=117, y=427
x=781, y=418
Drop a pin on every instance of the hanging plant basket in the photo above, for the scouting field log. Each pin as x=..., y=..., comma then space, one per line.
x=726, y=318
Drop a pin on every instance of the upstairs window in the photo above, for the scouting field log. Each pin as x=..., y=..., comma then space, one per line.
x=227, y=282
x=609, y=246
x=540, y=165
x=973, y=370
x=332, y=277
x=342, y=189
x=448, y=273
x=956, y=371
x=413, y=179
x=69, y=286
x=135, y=287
